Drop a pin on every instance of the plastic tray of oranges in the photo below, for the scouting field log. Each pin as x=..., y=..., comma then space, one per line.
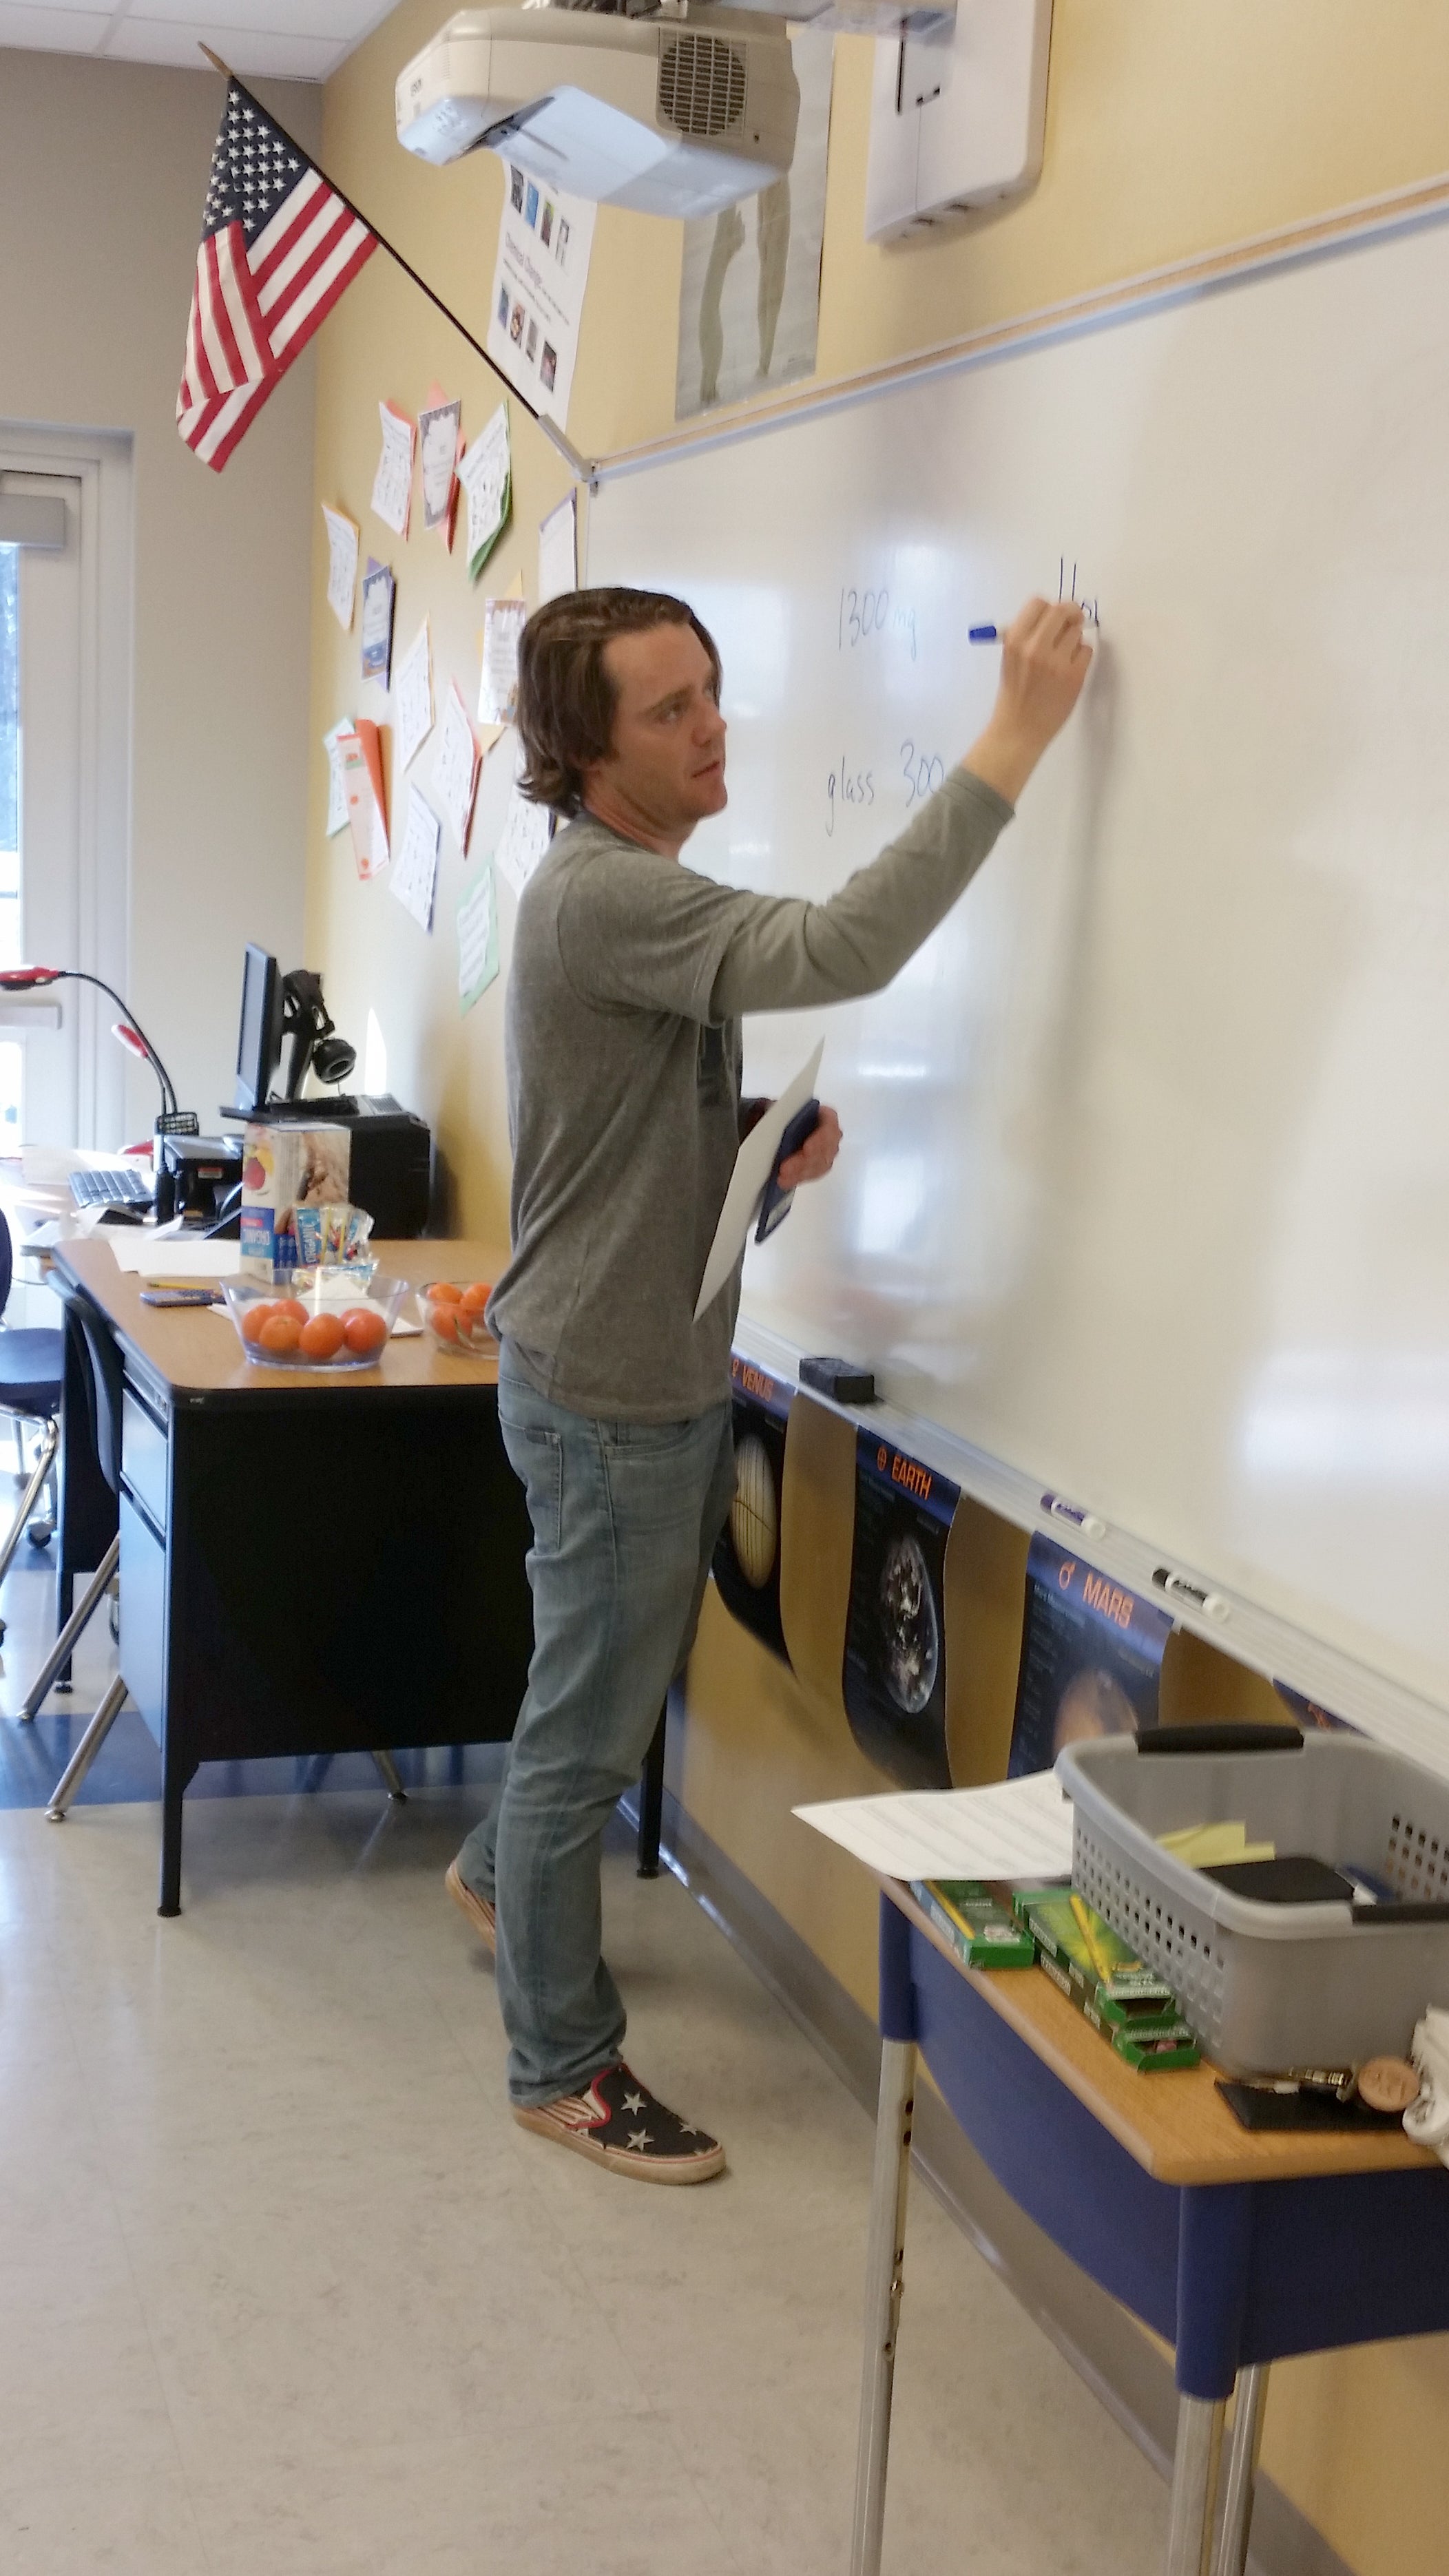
x=451, y=1311
x=315, y=1329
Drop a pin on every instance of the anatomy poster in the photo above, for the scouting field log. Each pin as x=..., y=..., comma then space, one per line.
x=749, y=296
x=894, y=1681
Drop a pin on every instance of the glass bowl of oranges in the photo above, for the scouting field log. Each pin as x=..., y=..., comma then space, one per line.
x=451, y=1313
x=330, y=1324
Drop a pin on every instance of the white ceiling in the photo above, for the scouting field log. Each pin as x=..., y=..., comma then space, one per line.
x=291, y=39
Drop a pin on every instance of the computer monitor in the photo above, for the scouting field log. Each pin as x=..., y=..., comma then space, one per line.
x=259, y=1043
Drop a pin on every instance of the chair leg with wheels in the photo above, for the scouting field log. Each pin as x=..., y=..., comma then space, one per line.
x=65, y=1643
x=391, y=1778
x=87, y=1749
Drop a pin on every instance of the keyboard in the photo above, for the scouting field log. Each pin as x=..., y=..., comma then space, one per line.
x=111, y=1189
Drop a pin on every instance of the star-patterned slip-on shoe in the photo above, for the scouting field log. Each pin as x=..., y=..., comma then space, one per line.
x=621, y=2124
x=477, y=1908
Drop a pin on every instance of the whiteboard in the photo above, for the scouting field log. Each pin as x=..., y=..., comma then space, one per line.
x=1146, y=1181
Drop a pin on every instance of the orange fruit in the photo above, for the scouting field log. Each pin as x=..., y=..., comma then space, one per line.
x=476, y=1297
x=253, y=1318
x=363, y=1330
x=280, y=1333
x=443, y=1322
x=320, y=1337
x=291, y=1306
x=445, y=1292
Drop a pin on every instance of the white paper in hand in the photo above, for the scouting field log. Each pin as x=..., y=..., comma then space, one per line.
x=754, y=1163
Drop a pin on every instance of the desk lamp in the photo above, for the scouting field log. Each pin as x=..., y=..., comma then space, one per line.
x=29, y=979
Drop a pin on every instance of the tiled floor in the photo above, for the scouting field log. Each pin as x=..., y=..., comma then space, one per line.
x=285, y=2289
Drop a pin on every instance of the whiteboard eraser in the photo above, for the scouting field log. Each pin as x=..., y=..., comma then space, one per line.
x=841, y=1380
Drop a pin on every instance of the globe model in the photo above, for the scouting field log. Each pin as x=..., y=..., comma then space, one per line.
x=754, y=1521
x=910, y=1636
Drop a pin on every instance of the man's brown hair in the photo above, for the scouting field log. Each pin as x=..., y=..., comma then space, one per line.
x=566, y=698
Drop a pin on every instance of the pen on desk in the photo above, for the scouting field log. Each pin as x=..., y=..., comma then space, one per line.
x=1061, y=1510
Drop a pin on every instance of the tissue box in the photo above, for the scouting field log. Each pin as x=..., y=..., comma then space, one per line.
x=284, y=1168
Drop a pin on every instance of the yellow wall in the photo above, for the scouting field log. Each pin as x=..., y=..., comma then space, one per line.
x=1173, y=127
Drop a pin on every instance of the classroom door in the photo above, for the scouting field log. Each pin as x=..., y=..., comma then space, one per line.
x=40, y=799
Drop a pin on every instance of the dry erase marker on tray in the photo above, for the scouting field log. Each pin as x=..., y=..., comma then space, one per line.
x=1061, y=1510
x=1178, y=1588
x=987, y=635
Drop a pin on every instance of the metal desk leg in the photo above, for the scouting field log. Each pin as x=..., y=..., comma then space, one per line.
x=1194, y=2485
x=1244, y=2445
x=884, y=2282
x=651, y=1800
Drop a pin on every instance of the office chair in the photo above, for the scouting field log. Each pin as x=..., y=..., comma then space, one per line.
x=31, y=1368
x=100, y=1356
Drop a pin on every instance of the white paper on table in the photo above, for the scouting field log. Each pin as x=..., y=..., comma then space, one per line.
x=455, y=767
x=558, y=559
x=415, y=869
x=486, y=475
x=527, y=831
x=341, y=565
x=392, y=488
x=754, y=1163
x=503, y=623
x=336, y=785
x=414, y=687
x=154, y=1255
x=1018, y=1829
x=438, y=430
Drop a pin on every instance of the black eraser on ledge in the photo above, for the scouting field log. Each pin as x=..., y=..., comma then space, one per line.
x=841, y=1380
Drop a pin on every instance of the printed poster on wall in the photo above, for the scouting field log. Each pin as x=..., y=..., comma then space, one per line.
x=894, y=1680
x=539, y=278
x=749, y=288
x=1091, y=1658
x=747, y=1552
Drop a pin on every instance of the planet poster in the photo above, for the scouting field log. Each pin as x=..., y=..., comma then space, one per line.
x=1091, y=1658
x=747, y=1552
x=894, y=1679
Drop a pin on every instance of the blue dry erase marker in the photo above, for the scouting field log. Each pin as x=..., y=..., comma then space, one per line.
x=987, y=635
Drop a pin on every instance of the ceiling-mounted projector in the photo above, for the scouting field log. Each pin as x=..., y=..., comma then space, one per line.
x=671, y=117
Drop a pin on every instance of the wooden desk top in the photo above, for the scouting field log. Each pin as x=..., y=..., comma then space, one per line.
x=1177, y=2126
x=194, y=1349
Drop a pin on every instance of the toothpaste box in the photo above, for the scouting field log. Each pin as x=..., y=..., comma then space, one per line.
x=284, y=1168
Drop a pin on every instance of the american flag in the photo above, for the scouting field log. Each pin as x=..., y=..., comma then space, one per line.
x=278, y=247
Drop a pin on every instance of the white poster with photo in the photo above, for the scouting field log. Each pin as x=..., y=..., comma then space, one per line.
x=749, y=292
x=542, y=269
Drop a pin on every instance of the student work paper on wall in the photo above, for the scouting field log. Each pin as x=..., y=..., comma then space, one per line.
x=539, y=278
x=378, y=597
x=415, y=869
x=477, y=937
x=336, y=778
x=362, y=779
x=439, y=443
x=342, y=538
x=1091, y=1658
x=527, y=831
x=749, y=293
x=894, y=1676
x=503, y=624
x=392, y=485
x=415, y=697
x=455, y=767
x=486, y=475
x=558, y=551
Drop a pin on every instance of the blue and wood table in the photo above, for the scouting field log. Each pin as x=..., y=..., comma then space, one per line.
x=1239, y=2247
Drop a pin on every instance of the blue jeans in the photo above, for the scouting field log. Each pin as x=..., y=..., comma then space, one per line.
x=625, y=1516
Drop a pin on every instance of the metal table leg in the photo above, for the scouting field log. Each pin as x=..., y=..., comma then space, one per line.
x=1194, y=2485
x=86, y=1751
x=884, y=2281
x=1244, y=2445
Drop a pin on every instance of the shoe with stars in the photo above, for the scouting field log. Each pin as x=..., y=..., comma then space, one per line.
x=618, y=2122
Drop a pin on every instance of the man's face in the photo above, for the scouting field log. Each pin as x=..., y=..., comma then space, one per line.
x=666, y=770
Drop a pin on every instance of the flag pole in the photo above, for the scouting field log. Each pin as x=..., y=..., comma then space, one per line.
x=578, y=465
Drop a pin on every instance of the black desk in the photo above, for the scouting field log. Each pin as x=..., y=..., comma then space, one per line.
x=309, y=1565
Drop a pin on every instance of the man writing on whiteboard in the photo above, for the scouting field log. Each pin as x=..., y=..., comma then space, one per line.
x=630, y=977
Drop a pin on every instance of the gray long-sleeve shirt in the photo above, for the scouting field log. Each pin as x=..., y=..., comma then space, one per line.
x=630, y=975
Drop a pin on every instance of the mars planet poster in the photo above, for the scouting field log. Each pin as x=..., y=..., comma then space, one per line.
x=894, y=1680
x=1091, y=1658
x=747, y=1553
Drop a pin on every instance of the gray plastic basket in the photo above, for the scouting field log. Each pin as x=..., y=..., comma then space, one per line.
x=1271, y=1986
